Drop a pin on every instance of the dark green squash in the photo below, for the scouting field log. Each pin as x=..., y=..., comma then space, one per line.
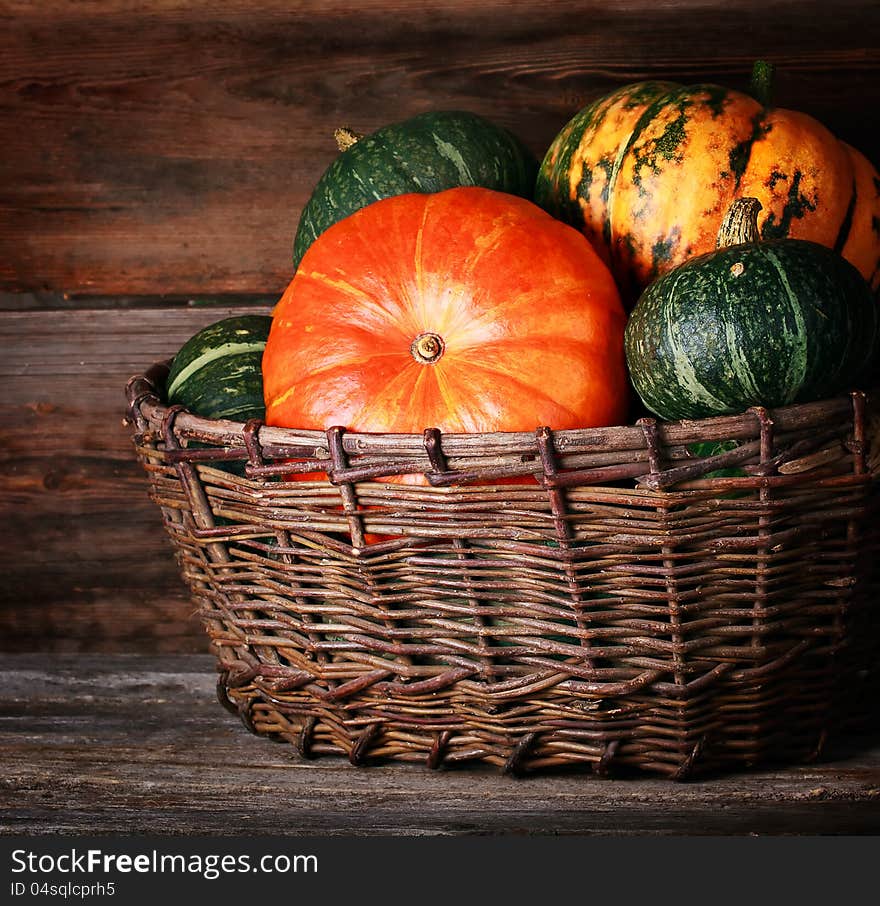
x=755, y=322
x=429, y=152
x=217, y=373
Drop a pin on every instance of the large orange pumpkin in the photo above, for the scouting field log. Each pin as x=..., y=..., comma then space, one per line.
x=468, y=310
x=647, y=173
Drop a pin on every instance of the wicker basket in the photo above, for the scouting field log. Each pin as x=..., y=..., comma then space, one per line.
x=619, y=606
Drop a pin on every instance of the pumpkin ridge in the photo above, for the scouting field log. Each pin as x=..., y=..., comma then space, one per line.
x=402, y=384
x=796, y=206
x=486, y=243
x=518, y=384
x=793, y=372
x=641, y=124
x=610, y=232
x=322, y=372
x=565, y=177
x=741, y=153
x=559, y=343
x=846, y=224
x=553, y=191
x=664, y=145
x=738, y=351
x=863, y=243
x=418, y=251
x=445, y=388
x=487, y=315
x=361, y=295
x=689, y=380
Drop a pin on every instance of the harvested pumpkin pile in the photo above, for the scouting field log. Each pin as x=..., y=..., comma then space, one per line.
x=445, y=278
x=548, y=462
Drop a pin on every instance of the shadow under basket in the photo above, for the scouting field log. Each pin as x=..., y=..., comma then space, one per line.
x=676, y=598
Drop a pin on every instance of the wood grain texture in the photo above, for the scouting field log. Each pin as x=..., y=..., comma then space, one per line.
x=169, y=147
x=85, y=560
x=159, y=152
x=120, y=745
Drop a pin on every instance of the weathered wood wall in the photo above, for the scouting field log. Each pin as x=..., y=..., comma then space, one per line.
x=157, y=154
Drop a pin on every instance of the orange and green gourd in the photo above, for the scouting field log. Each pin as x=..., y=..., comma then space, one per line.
x=647, y=172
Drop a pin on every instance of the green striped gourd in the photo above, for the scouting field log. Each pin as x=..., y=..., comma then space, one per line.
x=428, y=152
x=756, y=322
x=217, y=372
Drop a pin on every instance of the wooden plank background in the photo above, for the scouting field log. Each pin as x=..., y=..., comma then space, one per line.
x=155, y=156
x=168, y=148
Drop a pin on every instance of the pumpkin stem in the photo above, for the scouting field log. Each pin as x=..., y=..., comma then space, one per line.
x=761, y=84
x=426, y=348
x=740, y=224
x=346, y=137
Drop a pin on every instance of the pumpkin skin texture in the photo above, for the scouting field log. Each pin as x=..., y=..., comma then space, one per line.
x=647, y=172
x=429, y=152
x=762, y=323
x=468, y=310
x=217, y=373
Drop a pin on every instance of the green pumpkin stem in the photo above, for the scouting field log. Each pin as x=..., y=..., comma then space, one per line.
x=761, y=84
x=346, y=137
x=740, y=224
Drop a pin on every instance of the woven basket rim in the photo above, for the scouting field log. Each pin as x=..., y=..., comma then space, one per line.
x=144, y=395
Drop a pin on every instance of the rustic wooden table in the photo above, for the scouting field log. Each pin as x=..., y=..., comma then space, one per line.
x=123, y=744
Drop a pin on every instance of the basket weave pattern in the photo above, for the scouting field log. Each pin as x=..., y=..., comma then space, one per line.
x=595, y=598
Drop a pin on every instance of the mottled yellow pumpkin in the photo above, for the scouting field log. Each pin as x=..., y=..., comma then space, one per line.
x=647, y=173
